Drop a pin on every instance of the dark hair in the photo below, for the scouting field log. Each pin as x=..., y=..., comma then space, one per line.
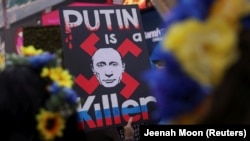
x=230, y=100
x=22, y=94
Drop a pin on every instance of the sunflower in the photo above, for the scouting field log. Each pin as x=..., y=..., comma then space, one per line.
x=50, y=124
x=59, y=75
x=31, y=51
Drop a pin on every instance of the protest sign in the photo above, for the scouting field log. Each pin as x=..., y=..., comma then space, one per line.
x=105, y=49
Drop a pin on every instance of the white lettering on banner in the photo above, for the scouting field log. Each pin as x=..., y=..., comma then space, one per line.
x=153, y=34
x=123, y=18
x=108, y=111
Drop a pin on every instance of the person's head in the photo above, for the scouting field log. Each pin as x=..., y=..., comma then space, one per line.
x=108, y=66
x=30, y=98
x=202, y=60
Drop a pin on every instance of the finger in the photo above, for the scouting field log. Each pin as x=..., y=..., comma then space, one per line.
x=130, y=120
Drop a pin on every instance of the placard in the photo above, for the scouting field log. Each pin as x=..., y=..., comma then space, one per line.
x=105, y=49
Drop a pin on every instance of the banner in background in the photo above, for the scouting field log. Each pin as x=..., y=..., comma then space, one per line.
x=18, y=10
x=153, y=29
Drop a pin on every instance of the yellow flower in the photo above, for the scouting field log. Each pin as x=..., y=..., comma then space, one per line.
x=2, y=62
x=60, y=76
x=50, y=124
x=30, y=51
x=204, y=49
x=230, y=10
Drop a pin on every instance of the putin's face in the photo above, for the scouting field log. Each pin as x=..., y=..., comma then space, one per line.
x=108, y=67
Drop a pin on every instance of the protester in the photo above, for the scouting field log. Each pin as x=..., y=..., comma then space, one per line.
x=204, y=62
x=36, y=99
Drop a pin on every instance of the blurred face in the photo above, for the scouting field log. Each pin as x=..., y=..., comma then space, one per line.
x=107, y=66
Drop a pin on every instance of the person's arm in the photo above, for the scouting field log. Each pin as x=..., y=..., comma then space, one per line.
x=129, y=130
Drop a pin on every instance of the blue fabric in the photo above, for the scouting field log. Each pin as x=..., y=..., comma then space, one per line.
x=157, y=54
x=176, y=93
x=197, y=9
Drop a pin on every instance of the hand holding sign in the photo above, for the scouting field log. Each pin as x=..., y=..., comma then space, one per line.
x=129, y=130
